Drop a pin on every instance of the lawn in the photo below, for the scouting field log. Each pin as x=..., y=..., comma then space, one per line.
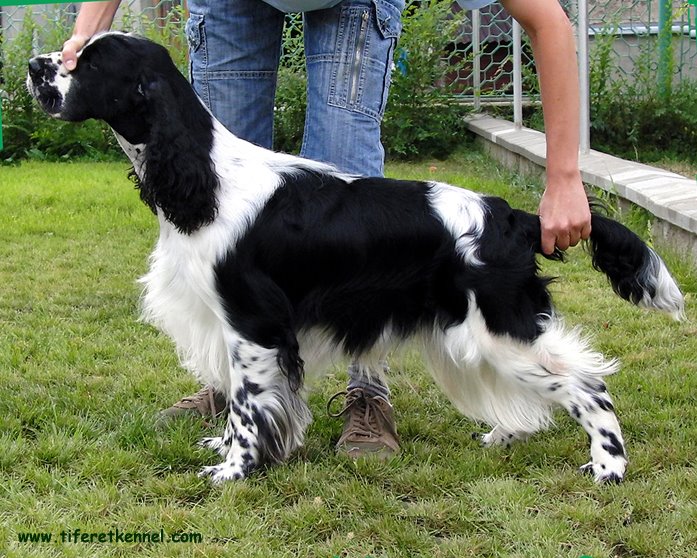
x=82, y=381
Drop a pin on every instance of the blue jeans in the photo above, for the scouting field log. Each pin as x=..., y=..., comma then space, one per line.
x=235, y=47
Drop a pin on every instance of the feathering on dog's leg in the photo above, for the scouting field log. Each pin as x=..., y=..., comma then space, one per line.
x=573, y=378
x=266, y=420
x=517, y=383
x=497, y=436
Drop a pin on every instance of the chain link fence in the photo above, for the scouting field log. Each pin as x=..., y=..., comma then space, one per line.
x=637, y=27
x=632, y=29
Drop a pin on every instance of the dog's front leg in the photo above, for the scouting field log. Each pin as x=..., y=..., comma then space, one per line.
x=238, y=446
x=266, y=418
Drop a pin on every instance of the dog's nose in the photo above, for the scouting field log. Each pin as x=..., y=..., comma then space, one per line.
x=35, y=65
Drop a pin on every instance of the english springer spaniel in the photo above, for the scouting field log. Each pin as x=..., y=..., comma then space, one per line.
x=269, y=265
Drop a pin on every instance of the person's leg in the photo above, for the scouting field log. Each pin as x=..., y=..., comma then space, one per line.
x=349, y=52
x=235, y=47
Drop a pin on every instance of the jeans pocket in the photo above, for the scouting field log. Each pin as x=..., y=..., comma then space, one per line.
x=198, y=57
x=361, y=68
x=194, y=31
x=389, y=18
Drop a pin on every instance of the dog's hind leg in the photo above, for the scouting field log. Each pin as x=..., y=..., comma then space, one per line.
x=499, y=437
x=267, y=419
x=513, y=385
x=559, y=368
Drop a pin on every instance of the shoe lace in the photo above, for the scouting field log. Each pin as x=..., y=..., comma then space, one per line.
x=366, y=417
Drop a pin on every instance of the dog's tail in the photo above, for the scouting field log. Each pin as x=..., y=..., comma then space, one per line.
x=636, y=272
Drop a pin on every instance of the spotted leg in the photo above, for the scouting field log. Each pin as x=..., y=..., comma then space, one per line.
x=266, y=420
x=592, y=408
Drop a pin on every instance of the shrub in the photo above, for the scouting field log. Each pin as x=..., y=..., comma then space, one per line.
x=423, y=117
x=27, y=131
x=289, y=114
x=291, y=90
x=635, y=114
x=636, y=125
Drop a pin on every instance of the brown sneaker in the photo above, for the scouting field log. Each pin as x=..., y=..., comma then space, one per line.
x=369, y=427
x=205, y=402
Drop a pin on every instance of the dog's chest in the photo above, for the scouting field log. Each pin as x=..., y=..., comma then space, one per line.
x=180, y=298
x=182, y=272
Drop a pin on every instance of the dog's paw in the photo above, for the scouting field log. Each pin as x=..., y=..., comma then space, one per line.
x=218, y=474
x=611, y=472
x=497, y=437
x=214, y=443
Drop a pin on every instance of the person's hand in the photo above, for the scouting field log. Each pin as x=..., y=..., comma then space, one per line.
x=70, y=49
x=565, y=217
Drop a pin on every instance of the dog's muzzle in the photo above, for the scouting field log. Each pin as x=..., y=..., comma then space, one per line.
x=43, y=75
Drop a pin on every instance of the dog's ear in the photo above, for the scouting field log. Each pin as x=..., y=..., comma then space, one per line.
x=179, y=176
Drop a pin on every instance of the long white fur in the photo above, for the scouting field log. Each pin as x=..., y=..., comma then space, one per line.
x=462, y=213
x=180, y=281
x=667, y=297
x=498, y=380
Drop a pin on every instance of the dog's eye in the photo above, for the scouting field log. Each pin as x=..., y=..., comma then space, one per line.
x=91, y=66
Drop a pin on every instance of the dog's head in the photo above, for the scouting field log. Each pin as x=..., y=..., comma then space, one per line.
x=117, y=79
x=132, y=84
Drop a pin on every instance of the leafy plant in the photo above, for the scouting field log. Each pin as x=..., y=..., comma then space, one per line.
x=27, y=131
x=630, y=114
x=423, y=118
x=291, y=90
x=289, y=112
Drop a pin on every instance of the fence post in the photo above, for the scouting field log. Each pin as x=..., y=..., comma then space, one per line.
x=517, y=76
x=665, y=48
x=476, y=59
x=583, y=76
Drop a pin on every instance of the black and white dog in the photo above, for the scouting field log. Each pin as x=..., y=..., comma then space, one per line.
x=268, y=265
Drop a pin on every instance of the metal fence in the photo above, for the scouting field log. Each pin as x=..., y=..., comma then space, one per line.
x=642, y=37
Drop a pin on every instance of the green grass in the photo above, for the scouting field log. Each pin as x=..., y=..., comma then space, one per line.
x=82, y=381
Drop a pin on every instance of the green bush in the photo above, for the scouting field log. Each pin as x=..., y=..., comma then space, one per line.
x=291, y=92
x=632, y=116
x=423, y=117
x=27, y=131
x=636, y=125
x=289, y=114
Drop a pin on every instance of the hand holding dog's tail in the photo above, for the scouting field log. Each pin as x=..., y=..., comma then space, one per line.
x=635, y=271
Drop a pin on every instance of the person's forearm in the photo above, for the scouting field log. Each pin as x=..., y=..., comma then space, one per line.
x=95, y=17
x=565, y=217
x=560, y=99
x=554, y=50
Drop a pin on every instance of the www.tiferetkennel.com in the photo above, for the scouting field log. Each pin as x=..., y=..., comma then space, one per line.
x=116, y=535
